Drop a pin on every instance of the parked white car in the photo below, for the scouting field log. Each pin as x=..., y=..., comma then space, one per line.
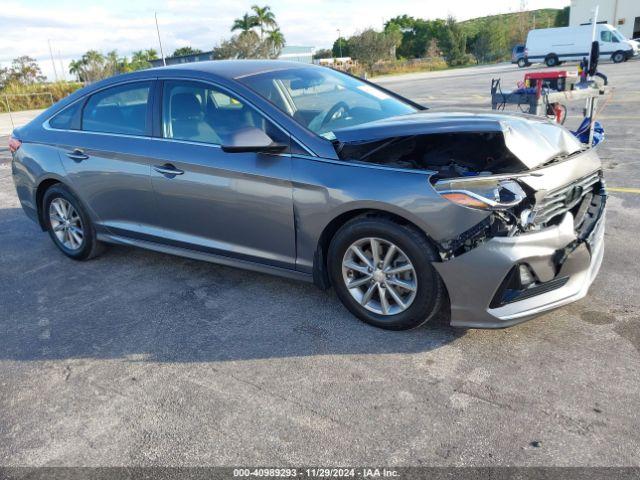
x=556, y=45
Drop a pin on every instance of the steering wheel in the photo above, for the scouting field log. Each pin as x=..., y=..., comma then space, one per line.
x=333, y=111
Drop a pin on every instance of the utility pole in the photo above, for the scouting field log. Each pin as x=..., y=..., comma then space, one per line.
x=63, y=75
x=339, y=42
x=164, y=62
x=53, y=63
x=593, y=34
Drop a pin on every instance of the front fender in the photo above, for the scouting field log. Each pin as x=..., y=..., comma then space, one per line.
x=326, y=190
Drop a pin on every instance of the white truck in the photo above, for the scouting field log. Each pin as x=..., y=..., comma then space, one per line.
x=556, y=45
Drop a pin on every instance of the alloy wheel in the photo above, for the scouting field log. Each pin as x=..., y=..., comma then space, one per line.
x=66, y=223
x=379, y=276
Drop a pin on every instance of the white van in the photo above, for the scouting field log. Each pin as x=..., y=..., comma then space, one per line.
x=556, y=45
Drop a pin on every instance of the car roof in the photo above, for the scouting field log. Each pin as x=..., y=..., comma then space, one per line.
x=232, y=69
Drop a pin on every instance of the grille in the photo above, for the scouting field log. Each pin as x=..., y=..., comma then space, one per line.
x=561, y=200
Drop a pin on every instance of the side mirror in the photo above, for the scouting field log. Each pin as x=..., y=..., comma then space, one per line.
x=252, y=139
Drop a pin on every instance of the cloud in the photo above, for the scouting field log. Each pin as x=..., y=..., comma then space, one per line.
x=75, y=26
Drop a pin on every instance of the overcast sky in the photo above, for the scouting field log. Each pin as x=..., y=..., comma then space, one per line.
x=73, y=27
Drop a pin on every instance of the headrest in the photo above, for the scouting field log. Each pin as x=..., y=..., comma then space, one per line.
x=185, y=106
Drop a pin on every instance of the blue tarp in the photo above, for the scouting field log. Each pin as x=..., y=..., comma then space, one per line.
x=583, y=132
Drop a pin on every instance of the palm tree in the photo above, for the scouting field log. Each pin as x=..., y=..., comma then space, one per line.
x=244, y=24
x=276, y=40
x=76, y=67
x=151, y=54
x=93, y=63
x=264, y=18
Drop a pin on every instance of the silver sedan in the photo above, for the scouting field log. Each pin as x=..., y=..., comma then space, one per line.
x=316, y=175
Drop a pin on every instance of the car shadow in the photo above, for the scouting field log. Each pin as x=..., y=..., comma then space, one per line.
x=146, y=306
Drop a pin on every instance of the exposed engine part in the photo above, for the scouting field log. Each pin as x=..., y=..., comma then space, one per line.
x=450, y=155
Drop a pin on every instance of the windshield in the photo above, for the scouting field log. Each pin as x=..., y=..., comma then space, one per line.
x=324, y=100
x=618, y=35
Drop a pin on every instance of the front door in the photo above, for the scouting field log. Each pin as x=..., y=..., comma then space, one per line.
x=234, y=204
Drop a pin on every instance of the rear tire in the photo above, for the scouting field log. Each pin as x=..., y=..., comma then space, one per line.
x=618, y=57
x=68, y=224
x=412, y=253
x=551, y=60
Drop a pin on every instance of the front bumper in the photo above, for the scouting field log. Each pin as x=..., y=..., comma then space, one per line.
x=473, y=278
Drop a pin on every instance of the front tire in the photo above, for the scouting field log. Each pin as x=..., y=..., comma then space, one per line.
x=68, y=224
x=522, y=63
x=618, y=57
x=382, y=272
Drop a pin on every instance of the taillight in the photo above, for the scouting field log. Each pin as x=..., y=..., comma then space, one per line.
x=14, y=144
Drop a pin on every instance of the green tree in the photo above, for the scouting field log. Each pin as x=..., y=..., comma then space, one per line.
x=90, y=67
x=244, y=45
x=323, y=53
x=491, y=42
x=370, y=46
x=341, y=48
x=141, y=59
x=245, y=24
x=453, y=43
x=264, y=18
x=248, y=44
x=562, y=18
x=179, y=52
x=275, y=41
x=4, y=76
x=24, y=70
x=417, y=34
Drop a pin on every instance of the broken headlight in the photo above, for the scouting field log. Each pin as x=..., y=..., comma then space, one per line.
x=484, y=193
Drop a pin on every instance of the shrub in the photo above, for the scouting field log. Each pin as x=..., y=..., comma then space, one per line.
x=35, y=96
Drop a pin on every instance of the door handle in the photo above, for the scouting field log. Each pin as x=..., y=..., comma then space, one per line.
x=77, y=155
x=168, y=169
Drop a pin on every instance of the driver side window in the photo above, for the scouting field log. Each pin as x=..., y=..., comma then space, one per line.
x=199, y=112
x=606, y=36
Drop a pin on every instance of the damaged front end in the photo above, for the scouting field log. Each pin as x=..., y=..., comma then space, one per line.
x=540, y=244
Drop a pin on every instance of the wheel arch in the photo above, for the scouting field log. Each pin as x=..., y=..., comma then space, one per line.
x=43, y=185
x=41, y=189
x=618, y=52
x=320, y=270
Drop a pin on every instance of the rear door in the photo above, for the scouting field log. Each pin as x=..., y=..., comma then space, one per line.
x=105, y=152
x=235, y=204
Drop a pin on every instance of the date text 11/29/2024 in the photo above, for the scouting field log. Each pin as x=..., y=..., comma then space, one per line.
x=317, y=472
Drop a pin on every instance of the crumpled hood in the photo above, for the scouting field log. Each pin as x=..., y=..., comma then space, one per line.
x=533, y=140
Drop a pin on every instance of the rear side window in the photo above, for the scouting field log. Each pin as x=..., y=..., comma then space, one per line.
x=68, y=118
x=121, y=109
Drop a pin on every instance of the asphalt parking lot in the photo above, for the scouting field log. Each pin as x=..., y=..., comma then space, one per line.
x=138, y=358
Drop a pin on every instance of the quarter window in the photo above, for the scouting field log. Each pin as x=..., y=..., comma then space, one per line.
x=121, y=109
x=199, y=112
x=66, y=119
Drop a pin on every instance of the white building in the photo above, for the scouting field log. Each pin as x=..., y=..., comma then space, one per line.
x=622, y=14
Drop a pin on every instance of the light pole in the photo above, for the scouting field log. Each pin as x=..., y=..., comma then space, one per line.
x=339, y=42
